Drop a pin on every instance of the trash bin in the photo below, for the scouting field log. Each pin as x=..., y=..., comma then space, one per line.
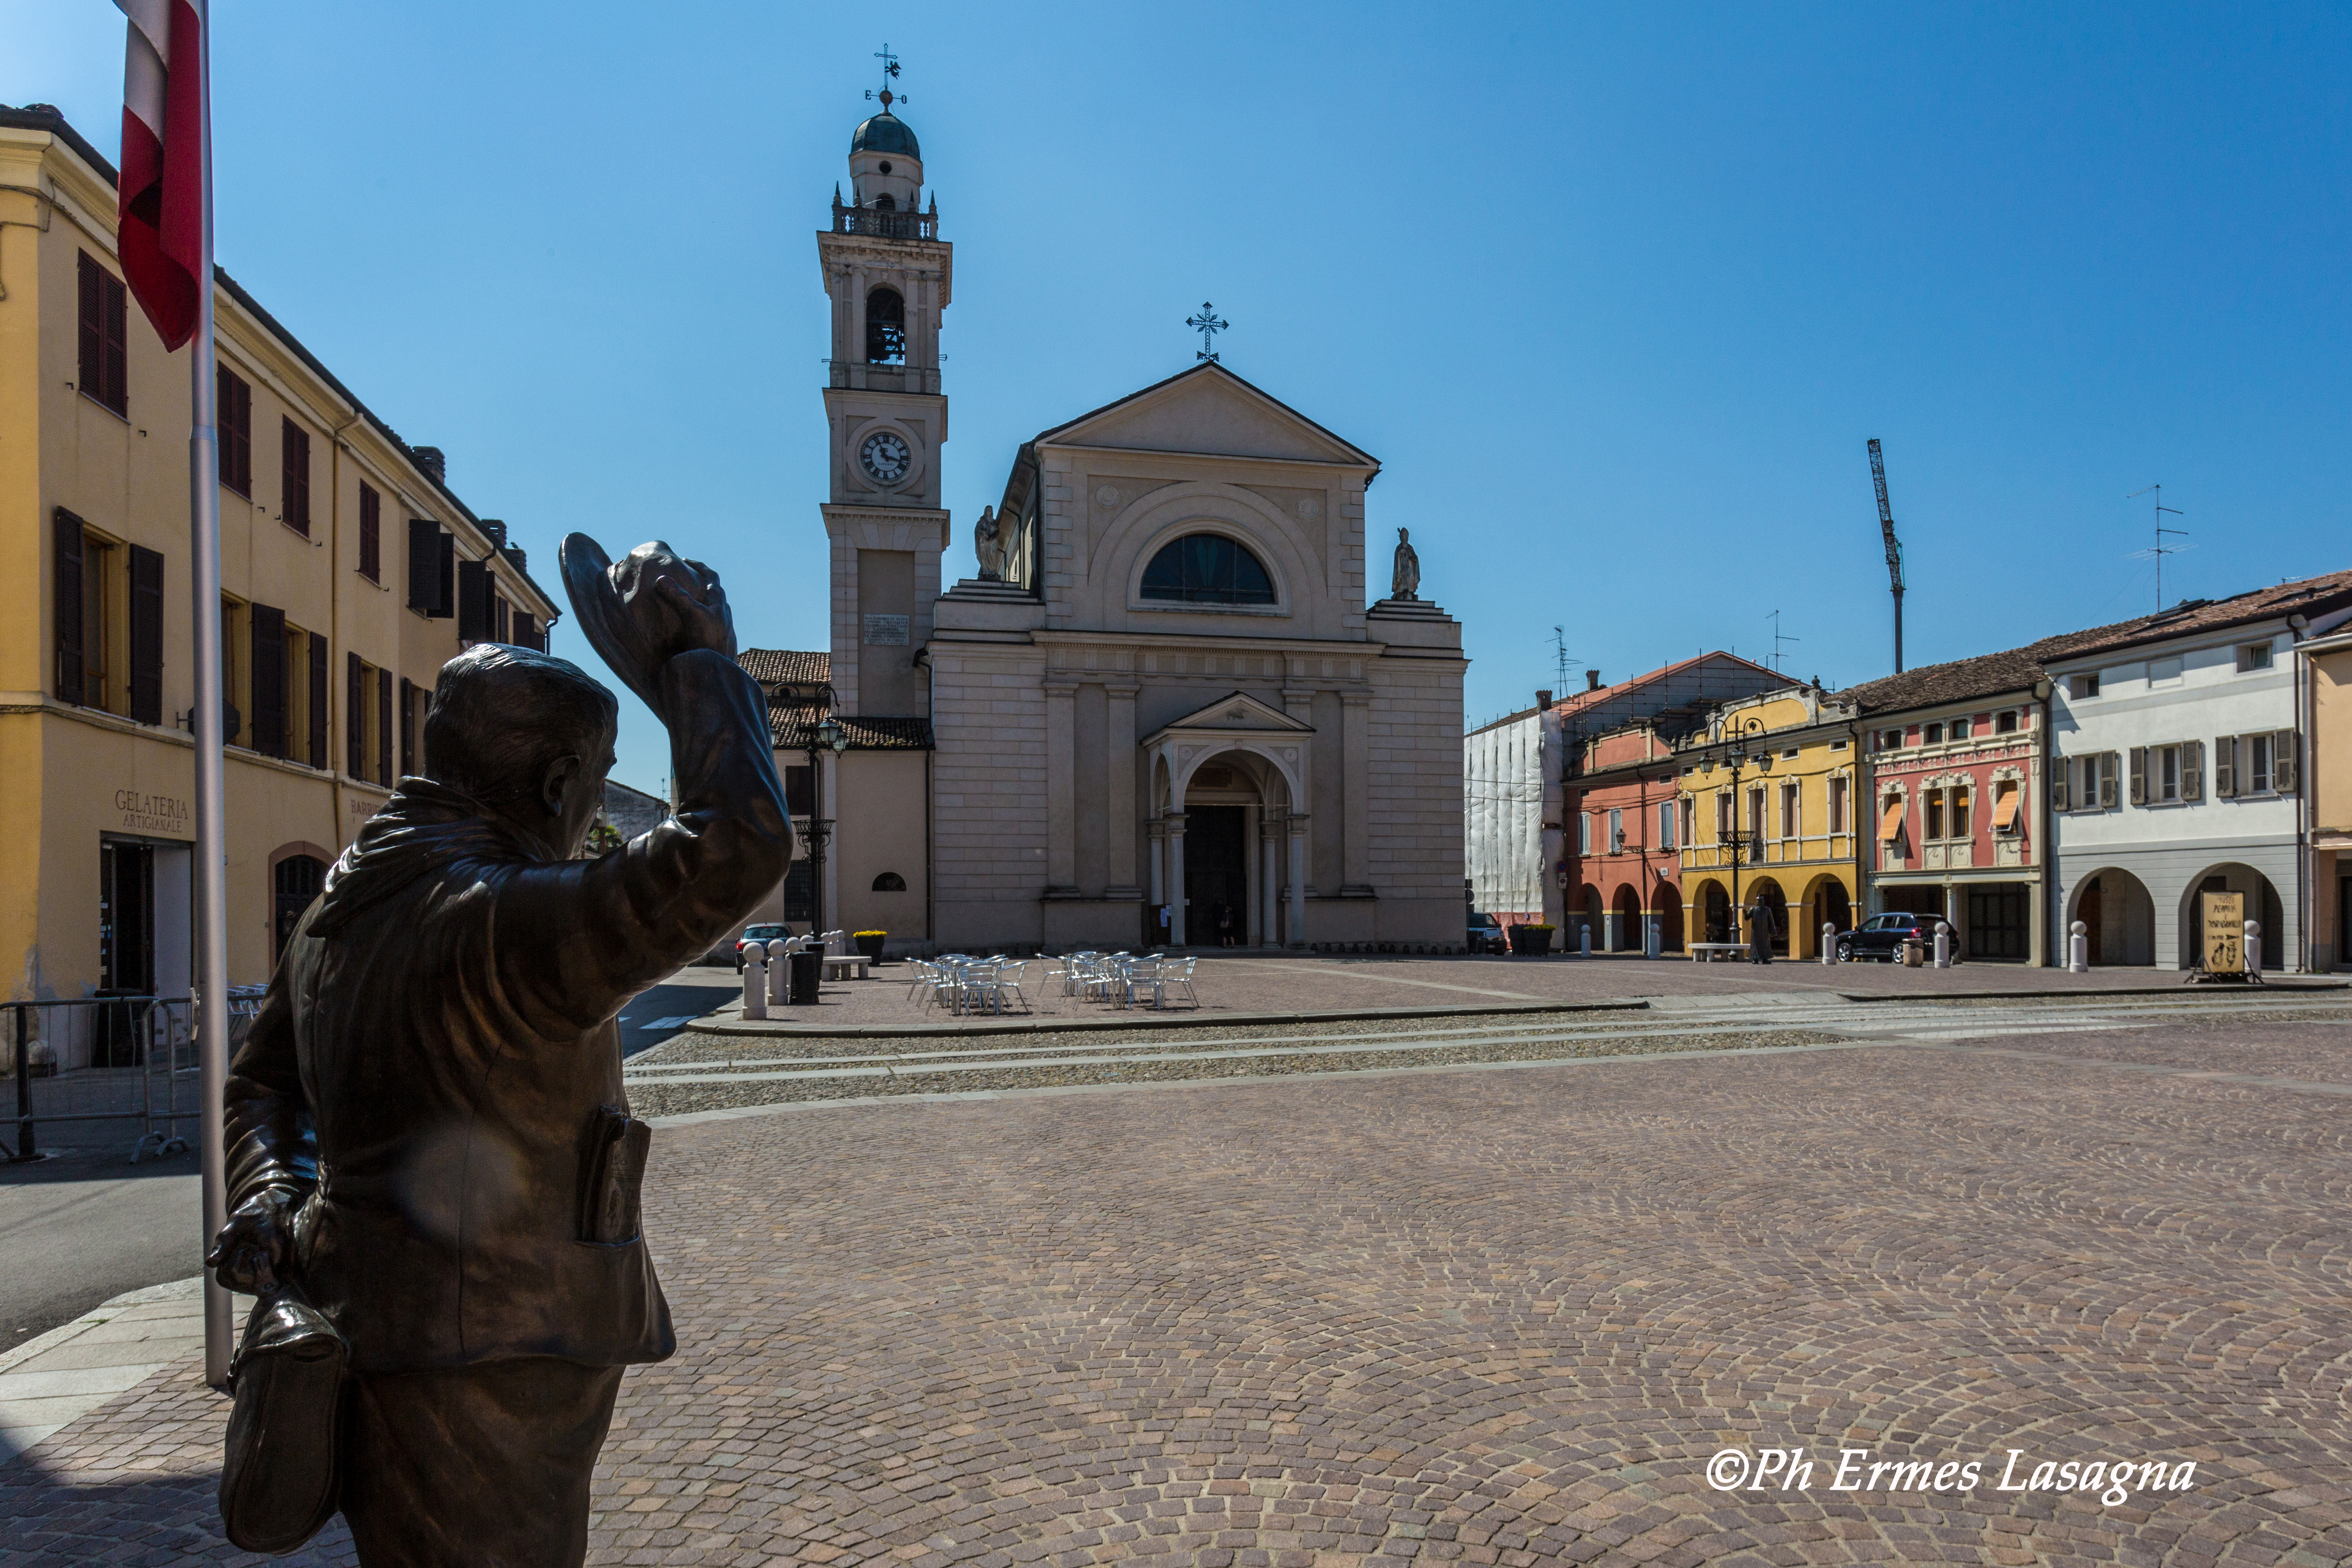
x=808, y=974
x=1915, y=953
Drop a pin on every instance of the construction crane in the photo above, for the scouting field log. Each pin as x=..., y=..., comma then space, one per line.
x=1894, y=549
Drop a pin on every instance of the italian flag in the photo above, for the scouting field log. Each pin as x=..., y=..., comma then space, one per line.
x=161, y=235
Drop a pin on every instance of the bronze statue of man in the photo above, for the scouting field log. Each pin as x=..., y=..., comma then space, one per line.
x=427, y=1127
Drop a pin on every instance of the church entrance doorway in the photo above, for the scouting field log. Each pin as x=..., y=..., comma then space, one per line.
x=1216, y=876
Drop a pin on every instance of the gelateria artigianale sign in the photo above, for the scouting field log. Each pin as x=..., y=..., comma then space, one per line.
x=152, y=813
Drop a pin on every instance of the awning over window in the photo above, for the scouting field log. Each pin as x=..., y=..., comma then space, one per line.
x=2004, y=810
x=1890, y=827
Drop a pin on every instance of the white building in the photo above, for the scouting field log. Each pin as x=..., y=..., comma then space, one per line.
x=2176, y=771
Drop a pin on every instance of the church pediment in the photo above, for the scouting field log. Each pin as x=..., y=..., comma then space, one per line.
x=1208, y=410
x=1235, y=713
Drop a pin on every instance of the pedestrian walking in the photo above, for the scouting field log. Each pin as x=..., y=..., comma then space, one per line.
x=1224, y=925
x=1761, y=926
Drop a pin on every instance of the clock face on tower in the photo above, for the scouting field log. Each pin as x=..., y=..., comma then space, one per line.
x=884, y=456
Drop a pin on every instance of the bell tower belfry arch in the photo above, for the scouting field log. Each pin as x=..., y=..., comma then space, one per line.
x=888, y=275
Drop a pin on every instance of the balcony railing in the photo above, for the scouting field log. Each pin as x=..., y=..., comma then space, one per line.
x=884, y=223
x=859, y=375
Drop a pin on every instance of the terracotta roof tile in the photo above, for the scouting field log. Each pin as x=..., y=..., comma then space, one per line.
x=776, y=666
x=792, y=725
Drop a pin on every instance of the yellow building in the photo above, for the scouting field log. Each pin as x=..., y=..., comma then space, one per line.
x=2326, y=680
x=349, y=573
x=1768, y=794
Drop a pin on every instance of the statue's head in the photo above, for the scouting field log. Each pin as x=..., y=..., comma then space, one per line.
x=527, y=734
x=1404, y=534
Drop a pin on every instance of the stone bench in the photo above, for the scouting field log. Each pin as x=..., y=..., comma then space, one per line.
x=1708, y=952
x=850, y=967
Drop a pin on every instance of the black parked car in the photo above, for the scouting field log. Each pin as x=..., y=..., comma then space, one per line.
x=1485, y=935
x=1882, y=937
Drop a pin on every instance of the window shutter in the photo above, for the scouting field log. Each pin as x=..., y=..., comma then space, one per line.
x=473, y=601
x=355, y=716
x=235, y=430
x=423, y=564
x=2286, y=752
x=146, y=635
x=2192, y=770
x=383, y=726
x=2107, y=778
x=2059, y=782
x=294, y=476
x=270, y=672
x=66, y=610
x=2139, y=775
x=371, y=534
x=407, y=726
x=2225, y=766
x=445, y=604
x=318, y=757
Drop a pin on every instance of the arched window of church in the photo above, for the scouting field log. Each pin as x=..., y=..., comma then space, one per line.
x=886, y=327
x=1207, y=569
x=889, y=882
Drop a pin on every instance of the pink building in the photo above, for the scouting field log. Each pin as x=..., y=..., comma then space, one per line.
x=1955, y=754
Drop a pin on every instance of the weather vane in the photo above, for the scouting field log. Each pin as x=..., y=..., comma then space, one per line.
x=1208, y=325
x=889, y=74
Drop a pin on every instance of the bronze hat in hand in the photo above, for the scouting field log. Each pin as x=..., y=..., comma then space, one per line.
x=646, y=609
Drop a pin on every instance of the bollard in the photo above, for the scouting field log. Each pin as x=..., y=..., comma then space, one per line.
x=2254, y=950
x=1653, y=943
x=1584, y=939
x=1943, y=944
x=755, y=983
x=779, y=973
x=1829, y=942
x=2078, y=949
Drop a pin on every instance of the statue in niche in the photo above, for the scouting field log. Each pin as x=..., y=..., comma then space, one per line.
x=989, y=545
x=432, y=1173
x=1404, y=581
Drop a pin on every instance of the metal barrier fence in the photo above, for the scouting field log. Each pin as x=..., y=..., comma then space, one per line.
x=141, y=1073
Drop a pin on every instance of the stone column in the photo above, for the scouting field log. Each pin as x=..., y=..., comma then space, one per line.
x=1269, y=877
x=1175, y=821
x=1297, y=933
x=1121, y=764
x=1158, y=832
x=1061, y=788
x=1356, y=787
x=1252, y=817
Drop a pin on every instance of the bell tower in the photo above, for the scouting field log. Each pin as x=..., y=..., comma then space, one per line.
x=888, y=274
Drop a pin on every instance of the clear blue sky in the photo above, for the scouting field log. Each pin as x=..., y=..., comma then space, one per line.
x=1617, y=294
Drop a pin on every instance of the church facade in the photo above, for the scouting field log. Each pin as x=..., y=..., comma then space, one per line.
x=1158, y=709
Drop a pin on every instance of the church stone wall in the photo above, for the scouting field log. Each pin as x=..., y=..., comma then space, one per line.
x=1414, y=790
x=989, y=793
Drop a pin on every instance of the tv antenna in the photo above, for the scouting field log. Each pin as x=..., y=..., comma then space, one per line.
x=2160, y=550
x=1778, y=636
x=1560, y=660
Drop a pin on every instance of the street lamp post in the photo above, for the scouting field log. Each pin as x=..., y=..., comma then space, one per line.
x=1733, y=755
x=826, y=736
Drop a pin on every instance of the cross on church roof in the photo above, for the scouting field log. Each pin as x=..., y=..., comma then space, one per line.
x=890, y=73
x=1208, y=325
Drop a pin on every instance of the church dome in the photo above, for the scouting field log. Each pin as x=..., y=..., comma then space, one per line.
x=886, y=133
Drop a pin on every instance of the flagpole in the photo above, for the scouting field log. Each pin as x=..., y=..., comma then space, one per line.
x=212, y=1019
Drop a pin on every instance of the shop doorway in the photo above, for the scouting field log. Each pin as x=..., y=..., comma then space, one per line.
x=1216, y=874
x=1997, y=918
x=294, y=883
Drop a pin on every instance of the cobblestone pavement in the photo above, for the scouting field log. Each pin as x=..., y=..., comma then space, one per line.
x=704, y=1070
x=1488, y=1316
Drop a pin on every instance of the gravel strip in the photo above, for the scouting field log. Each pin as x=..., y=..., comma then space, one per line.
x=654, y=1098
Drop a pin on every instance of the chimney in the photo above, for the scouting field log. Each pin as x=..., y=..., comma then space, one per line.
x=496, y=529
x=1543, y=698
x=1592, y=681
x=432, y=461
